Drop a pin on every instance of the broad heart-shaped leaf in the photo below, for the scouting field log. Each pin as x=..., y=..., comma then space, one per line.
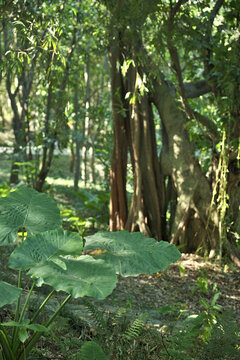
x=8, y=293
x=47, y=246
x=80, y=277
x=132, y=254
x=27, y=208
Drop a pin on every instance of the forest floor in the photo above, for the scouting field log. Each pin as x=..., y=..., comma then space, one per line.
x=178, y=290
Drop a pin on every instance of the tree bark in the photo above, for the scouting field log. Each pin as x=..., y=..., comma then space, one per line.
x=193, y=225
x=118, y=196
x=77, y=141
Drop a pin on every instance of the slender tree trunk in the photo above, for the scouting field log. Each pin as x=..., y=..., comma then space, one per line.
x=85, y=148
x=77, y=138
x=92, y=165
x=59, y=125
x=72, y=156
x=46, y=148
x=118, y=195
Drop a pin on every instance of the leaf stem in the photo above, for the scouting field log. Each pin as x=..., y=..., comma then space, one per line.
x=6, y=352
x=57, y=311
x=15, y=340
x=36, y=336
x=26, y=302
x=42, y=306
x=17, y=306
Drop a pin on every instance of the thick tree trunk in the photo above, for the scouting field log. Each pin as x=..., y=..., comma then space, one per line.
x=146, y=211
x=134, y=129
x=194, y=226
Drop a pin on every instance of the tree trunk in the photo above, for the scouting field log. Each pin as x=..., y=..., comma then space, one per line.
x=118, y=195
x=134, y=130
x=85, y=148
x=194, y=226
x=77, y=141
x=146, y=210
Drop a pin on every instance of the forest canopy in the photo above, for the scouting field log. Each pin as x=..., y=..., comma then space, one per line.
x=144, y=96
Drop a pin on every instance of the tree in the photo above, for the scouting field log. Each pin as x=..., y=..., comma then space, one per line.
x=138, y=81
x=37, y=59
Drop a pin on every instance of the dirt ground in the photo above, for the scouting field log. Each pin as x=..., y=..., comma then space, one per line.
x=147, y=293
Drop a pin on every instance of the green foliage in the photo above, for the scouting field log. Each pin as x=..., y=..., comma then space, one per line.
x=117, y=332
x=202, y=336
x=136, y=327
x=121, y=254
x=4, y=190
x=95, y=203
x=8, y=293
x=202, y=284
x=92, y=351
x=96, y=315
x=54, y=257
x=225, y=339
x=26, y=209
x=28, y=170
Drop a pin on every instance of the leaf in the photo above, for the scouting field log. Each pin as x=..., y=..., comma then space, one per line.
x=132, y=254
x=47, y=246
x=8, y=231
x=25, y=325
x=92, y=351
x=215, y=298
x=27, y=208
x=23, y=335
x=84, y=276
x=8, y=293
x=44, y=255
x=166, y=309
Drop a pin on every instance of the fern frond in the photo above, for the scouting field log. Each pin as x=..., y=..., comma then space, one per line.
x=118, y=316
x=96, y=315
x=136, y=327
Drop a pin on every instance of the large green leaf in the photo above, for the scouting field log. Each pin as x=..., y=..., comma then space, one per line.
x=92, y=351
x=27, y=208
x=47, y=246
x=80, y=277
x=8, y=293
x=132, y=253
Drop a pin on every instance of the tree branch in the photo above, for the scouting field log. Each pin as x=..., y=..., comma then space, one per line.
x=212, y=129
x=194, y=90
x=207, y=38
x=175, y=58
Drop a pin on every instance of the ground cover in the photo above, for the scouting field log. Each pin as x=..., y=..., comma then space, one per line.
x=165, y=298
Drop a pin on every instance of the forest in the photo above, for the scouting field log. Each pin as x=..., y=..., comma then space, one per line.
x=120, y=179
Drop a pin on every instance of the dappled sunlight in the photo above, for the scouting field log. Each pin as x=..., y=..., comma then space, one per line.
x=61, y=181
